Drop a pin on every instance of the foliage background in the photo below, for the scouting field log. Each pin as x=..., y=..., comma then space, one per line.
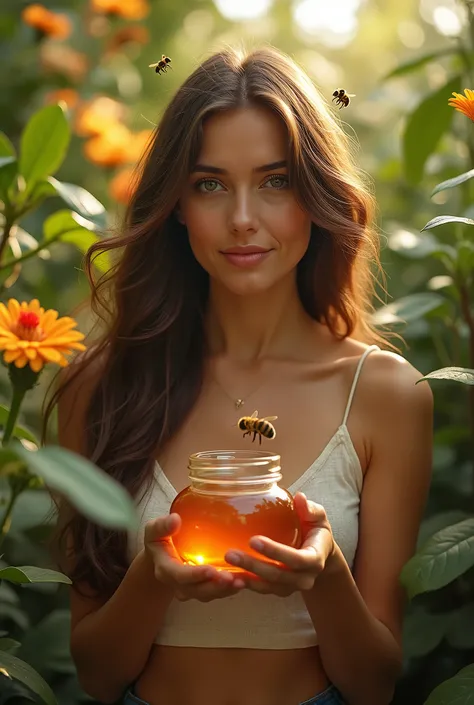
x=381, y=34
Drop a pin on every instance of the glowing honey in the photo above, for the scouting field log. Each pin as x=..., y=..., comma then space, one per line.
x=233, y=496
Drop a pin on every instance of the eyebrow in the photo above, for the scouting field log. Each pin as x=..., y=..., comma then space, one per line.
x=217, y=170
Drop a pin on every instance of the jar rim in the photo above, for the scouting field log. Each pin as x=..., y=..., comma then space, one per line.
x=225, y=466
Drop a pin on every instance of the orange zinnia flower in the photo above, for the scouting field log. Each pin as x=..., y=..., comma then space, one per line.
x=111, y=148
x=123, y=184
x=98, y=115
x=465, y=104
x=47, y=22
x=31, y=335
x=128, y=9
x=63, y=95
x=138, y=143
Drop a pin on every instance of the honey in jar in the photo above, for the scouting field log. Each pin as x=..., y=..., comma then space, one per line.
x=233, y=496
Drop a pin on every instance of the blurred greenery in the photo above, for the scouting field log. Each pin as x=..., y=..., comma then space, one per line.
x=401, y=59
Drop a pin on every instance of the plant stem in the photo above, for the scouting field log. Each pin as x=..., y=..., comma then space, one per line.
x=9, y=222
x=469, y=318
x=18, y=395
x=7, y=517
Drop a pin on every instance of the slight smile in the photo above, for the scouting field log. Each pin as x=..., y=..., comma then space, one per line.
x=245, y=256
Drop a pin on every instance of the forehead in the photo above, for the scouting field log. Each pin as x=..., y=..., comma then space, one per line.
x=253, y=135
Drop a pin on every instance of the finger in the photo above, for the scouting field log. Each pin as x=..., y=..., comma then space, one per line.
x=263, y=569
x=224, y=585
x=162, y=527
x=306, y=558
x=170, y=569
x=308, y=511
x=263, y=587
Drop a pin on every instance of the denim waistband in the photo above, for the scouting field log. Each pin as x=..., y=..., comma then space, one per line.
x=330, y=696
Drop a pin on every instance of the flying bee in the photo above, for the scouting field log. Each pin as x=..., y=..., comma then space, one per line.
x=162, y=65
x=262, y=427
x=342, y=98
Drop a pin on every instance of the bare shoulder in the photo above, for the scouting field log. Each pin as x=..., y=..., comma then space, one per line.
x=390, y=379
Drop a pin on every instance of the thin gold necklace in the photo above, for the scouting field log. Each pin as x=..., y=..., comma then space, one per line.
x=239, y=401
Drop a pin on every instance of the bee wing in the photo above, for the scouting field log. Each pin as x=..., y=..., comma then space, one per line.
x=351, y=95
x=254, y=415
x=269, y=418
x=152, y=66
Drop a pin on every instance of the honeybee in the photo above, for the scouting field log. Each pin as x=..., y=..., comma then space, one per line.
x=262, y=427
x=161, y=65
x=343, y=98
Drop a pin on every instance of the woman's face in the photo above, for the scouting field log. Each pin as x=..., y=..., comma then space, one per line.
x=245, y=226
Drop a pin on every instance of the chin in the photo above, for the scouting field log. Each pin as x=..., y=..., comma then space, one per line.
x=248, y=285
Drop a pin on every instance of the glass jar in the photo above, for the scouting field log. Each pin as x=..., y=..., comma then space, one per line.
x=233, y=495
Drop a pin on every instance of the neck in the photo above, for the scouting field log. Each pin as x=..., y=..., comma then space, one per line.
x=251, y=328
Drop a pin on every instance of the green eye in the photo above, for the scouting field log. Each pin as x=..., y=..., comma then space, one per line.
x=206, y=183
x=278, y=181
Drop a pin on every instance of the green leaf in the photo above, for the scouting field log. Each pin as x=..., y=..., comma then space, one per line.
x=83, y=239
x=455, y=181
x=82, y=202
x=443, y=219
x=62, y=222
x=413, y=64
x=5, y=161
x=22, y=672
x=454, y=374
x=9, y=645
x=460, y=633
x=40, y=191
x=31, y=574
x=90, y=489
x=8, y=172
x=408, y=308
x=10, y=463
x=18, y=431
x=6, y=147
x=46, y=645
x=439, y=521
x=424, y=128
x=422, y=632
x=442, y=559
x=465, y=258
x=458, y=690
x=44, y=143
x=32, y=508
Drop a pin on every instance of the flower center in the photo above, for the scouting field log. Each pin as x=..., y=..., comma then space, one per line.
x=27, y=327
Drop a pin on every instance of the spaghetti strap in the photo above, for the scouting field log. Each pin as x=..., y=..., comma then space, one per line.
x=356, y=378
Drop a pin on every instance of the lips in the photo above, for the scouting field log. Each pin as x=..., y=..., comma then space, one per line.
x=245, y=250
x=248, y=256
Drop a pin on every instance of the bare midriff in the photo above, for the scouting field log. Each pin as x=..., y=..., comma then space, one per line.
x=204, y=676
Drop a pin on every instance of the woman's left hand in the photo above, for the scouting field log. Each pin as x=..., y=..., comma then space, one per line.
x=300, y=566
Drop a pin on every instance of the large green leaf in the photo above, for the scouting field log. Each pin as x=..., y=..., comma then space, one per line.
x=22, y=672
x=9, y=645
x=89, y=489
x=422, y=632
x=18, y=431
x=61, y=222
x=455, y=181
x=442, y=559
x=44, y=143
x=454, y=374
x=32, y=574
x=443, y=219
x=424, y=128
x=458, y=690
x=414, y=64
x=408, y=308
x=6, y=147
x=83, y=239
x=460, y=633
x=46, y=645
x=82, y=202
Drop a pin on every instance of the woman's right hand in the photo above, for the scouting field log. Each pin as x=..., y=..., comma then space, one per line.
x=201, y=582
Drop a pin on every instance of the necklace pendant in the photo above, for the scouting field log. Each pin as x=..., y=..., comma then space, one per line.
x=238, y=403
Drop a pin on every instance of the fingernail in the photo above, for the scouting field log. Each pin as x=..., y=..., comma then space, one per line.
x=233, y=558
x=257, y=544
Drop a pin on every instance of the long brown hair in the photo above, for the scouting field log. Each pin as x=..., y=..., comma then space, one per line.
x=152, y=301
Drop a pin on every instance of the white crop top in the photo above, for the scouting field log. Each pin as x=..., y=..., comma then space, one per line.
x=249, y=620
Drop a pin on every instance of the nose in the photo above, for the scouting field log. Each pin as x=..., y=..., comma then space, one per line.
x=243, y=217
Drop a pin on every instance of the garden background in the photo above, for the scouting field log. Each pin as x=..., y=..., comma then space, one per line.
x=402, y=59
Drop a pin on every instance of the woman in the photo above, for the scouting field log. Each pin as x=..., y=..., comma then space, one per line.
x=245, y=280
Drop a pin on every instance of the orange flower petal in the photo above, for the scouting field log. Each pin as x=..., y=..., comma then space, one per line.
x=37, y=364
x=11, y=355
x=21, y=361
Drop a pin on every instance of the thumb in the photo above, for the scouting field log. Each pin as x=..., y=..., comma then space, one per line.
x=162, y=527
x=308, y=512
